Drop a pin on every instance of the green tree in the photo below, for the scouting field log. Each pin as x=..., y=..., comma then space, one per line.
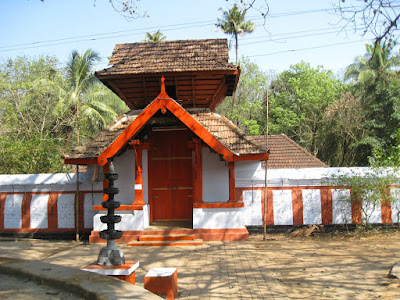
x=154, y=37
x=27, y=125
x=375, y=82
x=248, y=109
x=233, y=23
x=298, y=102
x=38, y=112
x=344, y=127
x=83, y=103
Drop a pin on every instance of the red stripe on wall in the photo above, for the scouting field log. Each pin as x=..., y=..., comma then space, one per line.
x=26, y=210
x=386, y=209
x=297, y=200
x=356, y=212
x=326, y=205
x=2, y=207
x=52, y=212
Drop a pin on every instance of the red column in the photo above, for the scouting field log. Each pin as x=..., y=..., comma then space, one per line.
x=356, y=212
x=232, y=185
x=297, y=202
x=326, y=205
x=197, y=172
x=138, y=174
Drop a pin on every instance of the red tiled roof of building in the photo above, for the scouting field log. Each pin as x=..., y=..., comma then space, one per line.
x=169, y=56
x=286, y=153
x=220, y=127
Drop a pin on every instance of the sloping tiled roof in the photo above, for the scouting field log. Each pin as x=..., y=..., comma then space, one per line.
x=220, y=127
x=169, y=56
x=286, y=153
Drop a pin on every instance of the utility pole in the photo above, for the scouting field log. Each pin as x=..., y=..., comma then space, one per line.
x=266, y=171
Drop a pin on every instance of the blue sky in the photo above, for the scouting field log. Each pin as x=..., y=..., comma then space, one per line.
x=56, y=27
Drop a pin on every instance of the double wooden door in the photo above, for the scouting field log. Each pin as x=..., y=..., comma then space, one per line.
x=171, y=175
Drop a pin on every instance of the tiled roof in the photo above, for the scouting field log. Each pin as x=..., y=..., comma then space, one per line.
x=220, y=127
x=169, y=56
x=286, y=153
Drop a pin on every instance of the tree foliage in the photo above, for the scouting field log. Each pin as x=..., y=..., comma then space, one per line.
x=38, y=112
x=234, y=23
x=248, y=109
x=375, y=82
x=154, y=37
x=299, y=99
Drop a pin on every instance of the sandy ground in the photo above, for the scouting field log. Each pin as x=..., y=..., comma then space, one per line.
x=343, y=266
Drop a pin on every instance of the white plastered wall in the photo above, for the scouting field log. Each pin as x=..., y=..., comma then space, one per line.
x=215, y=177
x=125, y=168
x=218, y=218
x=131, y=220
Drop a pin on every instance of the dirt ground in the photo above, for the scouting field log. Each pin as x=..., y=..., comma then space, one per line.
x=338, y=266
x=325, y=266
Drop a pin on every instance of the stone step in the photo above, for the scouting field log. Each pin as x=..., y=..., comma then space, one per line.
x=169, y=237
x=196, y=242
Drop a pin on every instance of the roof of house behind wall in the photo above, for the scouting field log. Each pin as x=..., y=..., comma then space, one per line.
x=169, y=56
x=286, y=153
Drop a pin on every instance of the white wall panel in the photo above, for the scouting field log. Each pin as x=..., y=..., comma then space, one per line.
x=66, y=211
x=13, y=211
x=283, y=207
x=215, y=178
x=341, y=206
x=395, y=193
x=252, y=207
x=125, y=168
x=88, y=212
x=370, y=211
x=39, y=213
x=312, y=207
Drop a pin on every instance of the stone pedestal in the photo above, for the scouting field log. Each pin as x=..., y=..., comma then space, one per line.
x=124, y=272
x=162, y=281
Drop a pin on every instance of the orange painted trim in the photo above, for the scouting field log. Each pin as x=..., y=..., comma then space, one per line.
x=326, y=206
x=249, y=157
x=2, y=207
x=218, y=205
x=356, y=212
x=138, y=177
x=106, y=184
x=80, y=161
x=181, y=114
x=232, y=184
x=26, y=211
x=386, y=208
x=130, y=131
x=122, y=207
x=198, y=129
x=52, y=211
x=297, y=202
x=197, y=166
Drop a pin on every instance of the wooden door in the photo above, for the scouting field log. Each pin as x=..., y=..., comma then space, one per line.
x=171, y=175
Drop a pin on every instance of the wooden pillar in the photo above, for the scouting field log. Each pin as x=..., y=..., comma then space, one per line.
x=197, y=165
x=232, y=185
x=137, y=146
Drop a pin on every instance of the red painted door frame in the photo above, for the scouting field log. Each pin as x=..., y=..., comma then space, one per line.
x=170, y=176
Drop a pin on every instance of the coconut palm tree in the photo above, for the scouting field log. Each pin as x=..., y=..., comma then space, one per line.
x=376, y=62
x=233, y=23
x=154, y=37
x=83, y=101
x=375, y=81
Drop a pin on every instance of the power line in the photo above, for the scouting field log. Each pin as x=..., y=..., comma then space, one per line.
x=121, y=33
x=307, y=48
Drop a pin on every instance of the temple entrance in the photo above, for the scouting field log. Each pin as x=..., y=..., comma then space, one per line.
x=171, y=175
